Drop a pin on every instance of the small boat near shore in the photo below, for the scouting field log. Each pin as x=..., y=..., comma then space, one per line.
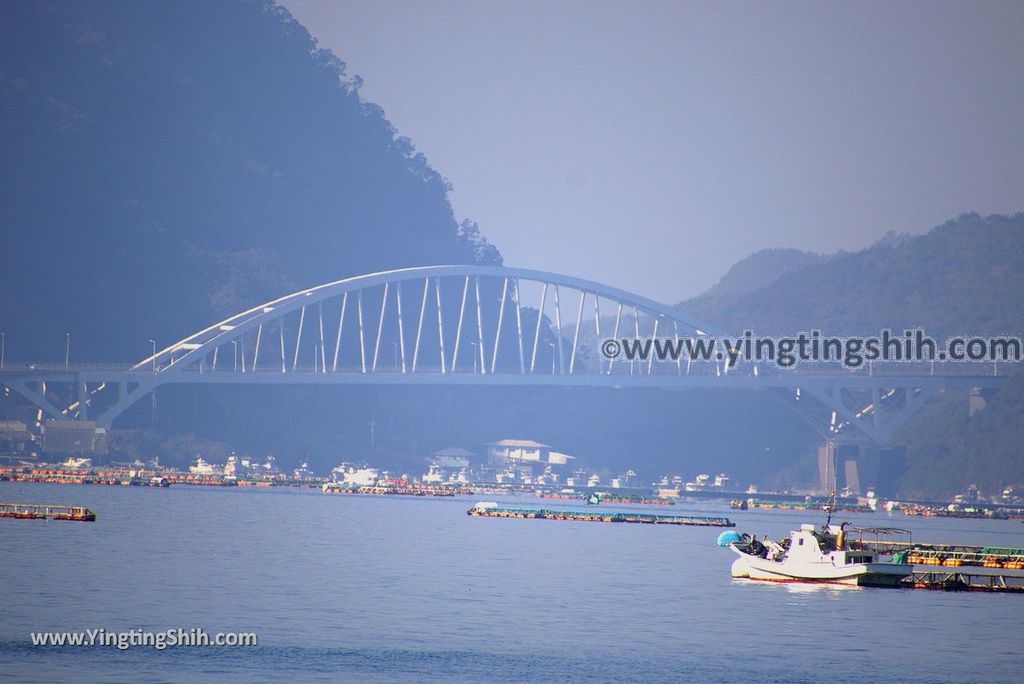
x=811, y=555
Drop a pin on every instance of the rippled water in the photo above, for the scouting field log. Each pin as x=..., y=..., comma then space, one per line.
x=397, y=588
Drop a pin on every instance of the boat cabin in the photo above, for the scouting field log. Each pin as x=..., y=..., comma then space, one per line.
x=809, y=545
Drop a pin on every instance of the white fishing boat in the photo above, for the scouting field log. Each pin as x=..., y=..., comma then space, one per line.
x=811, y=555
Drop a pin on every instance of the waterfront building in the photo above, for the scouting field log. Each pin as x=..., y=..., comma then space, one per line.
x=67, y=437
x=517, y=451
x=525, y=461
x=15, y=437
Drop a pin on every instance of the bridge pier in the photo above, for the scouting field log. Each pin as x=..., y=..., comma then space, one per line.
x=860, y=466
x=82, y=398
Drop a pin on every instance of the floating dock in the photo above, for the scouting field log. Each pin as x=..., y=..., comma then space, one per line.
x=46, y=512
x=759, y=504
x=636, y=500
x=980, y=568
x=493, y=510
x=966, y=579
x=388, y=490
x=957, y=566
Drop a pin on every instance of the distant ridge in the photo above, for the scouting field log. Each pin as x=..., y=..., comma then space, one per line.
x=964, y=276
x=186, y=159
x=757, y=271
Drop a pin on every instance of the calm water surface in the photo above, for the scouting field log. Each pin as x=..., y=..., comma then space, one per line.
x=403, y=589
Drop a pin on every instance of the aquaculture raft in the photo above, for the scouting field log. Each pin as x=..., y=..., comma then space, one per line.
x=981, y=568
x=495, y=511
x=46, y=512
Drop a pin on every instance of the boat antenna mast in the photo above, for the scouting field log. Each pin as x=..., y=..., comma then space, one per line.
x=831, y=505
x=829, y=508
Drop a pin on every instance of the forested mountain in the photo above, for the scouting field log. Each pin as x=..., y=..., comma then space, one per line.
x=168, y=162
x=947, y=449
x=963, y=277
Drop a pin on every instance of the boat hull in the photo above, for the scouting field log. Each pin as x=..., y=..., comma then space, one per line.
x=854, y=574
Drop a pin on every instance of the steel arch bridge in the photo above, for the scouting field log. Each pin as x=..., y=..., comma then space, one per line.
x=310, y=326
x=461, y=325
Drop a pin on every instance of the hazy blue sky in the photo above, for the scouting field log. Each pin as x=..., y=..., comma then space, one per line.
x=650, y=145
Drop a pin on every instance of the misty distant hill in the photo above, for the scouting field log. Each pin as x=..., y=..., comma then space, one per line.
x=964, y=276
x=757, y=271
x=165, y=163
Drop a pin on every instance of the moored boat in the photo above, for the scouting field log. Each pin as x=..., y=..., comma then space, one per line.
x=811, y=555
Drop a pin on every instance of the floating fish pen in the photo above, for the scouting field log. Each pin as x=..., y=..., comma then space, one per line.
x=46, y=512
x=959, y=556
x=971, y=512
x=387, y=490
x=757, y=504
x=966, y=578
x=492, y=510
x=955, y=566
x=988, y=568
x=636, y=500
